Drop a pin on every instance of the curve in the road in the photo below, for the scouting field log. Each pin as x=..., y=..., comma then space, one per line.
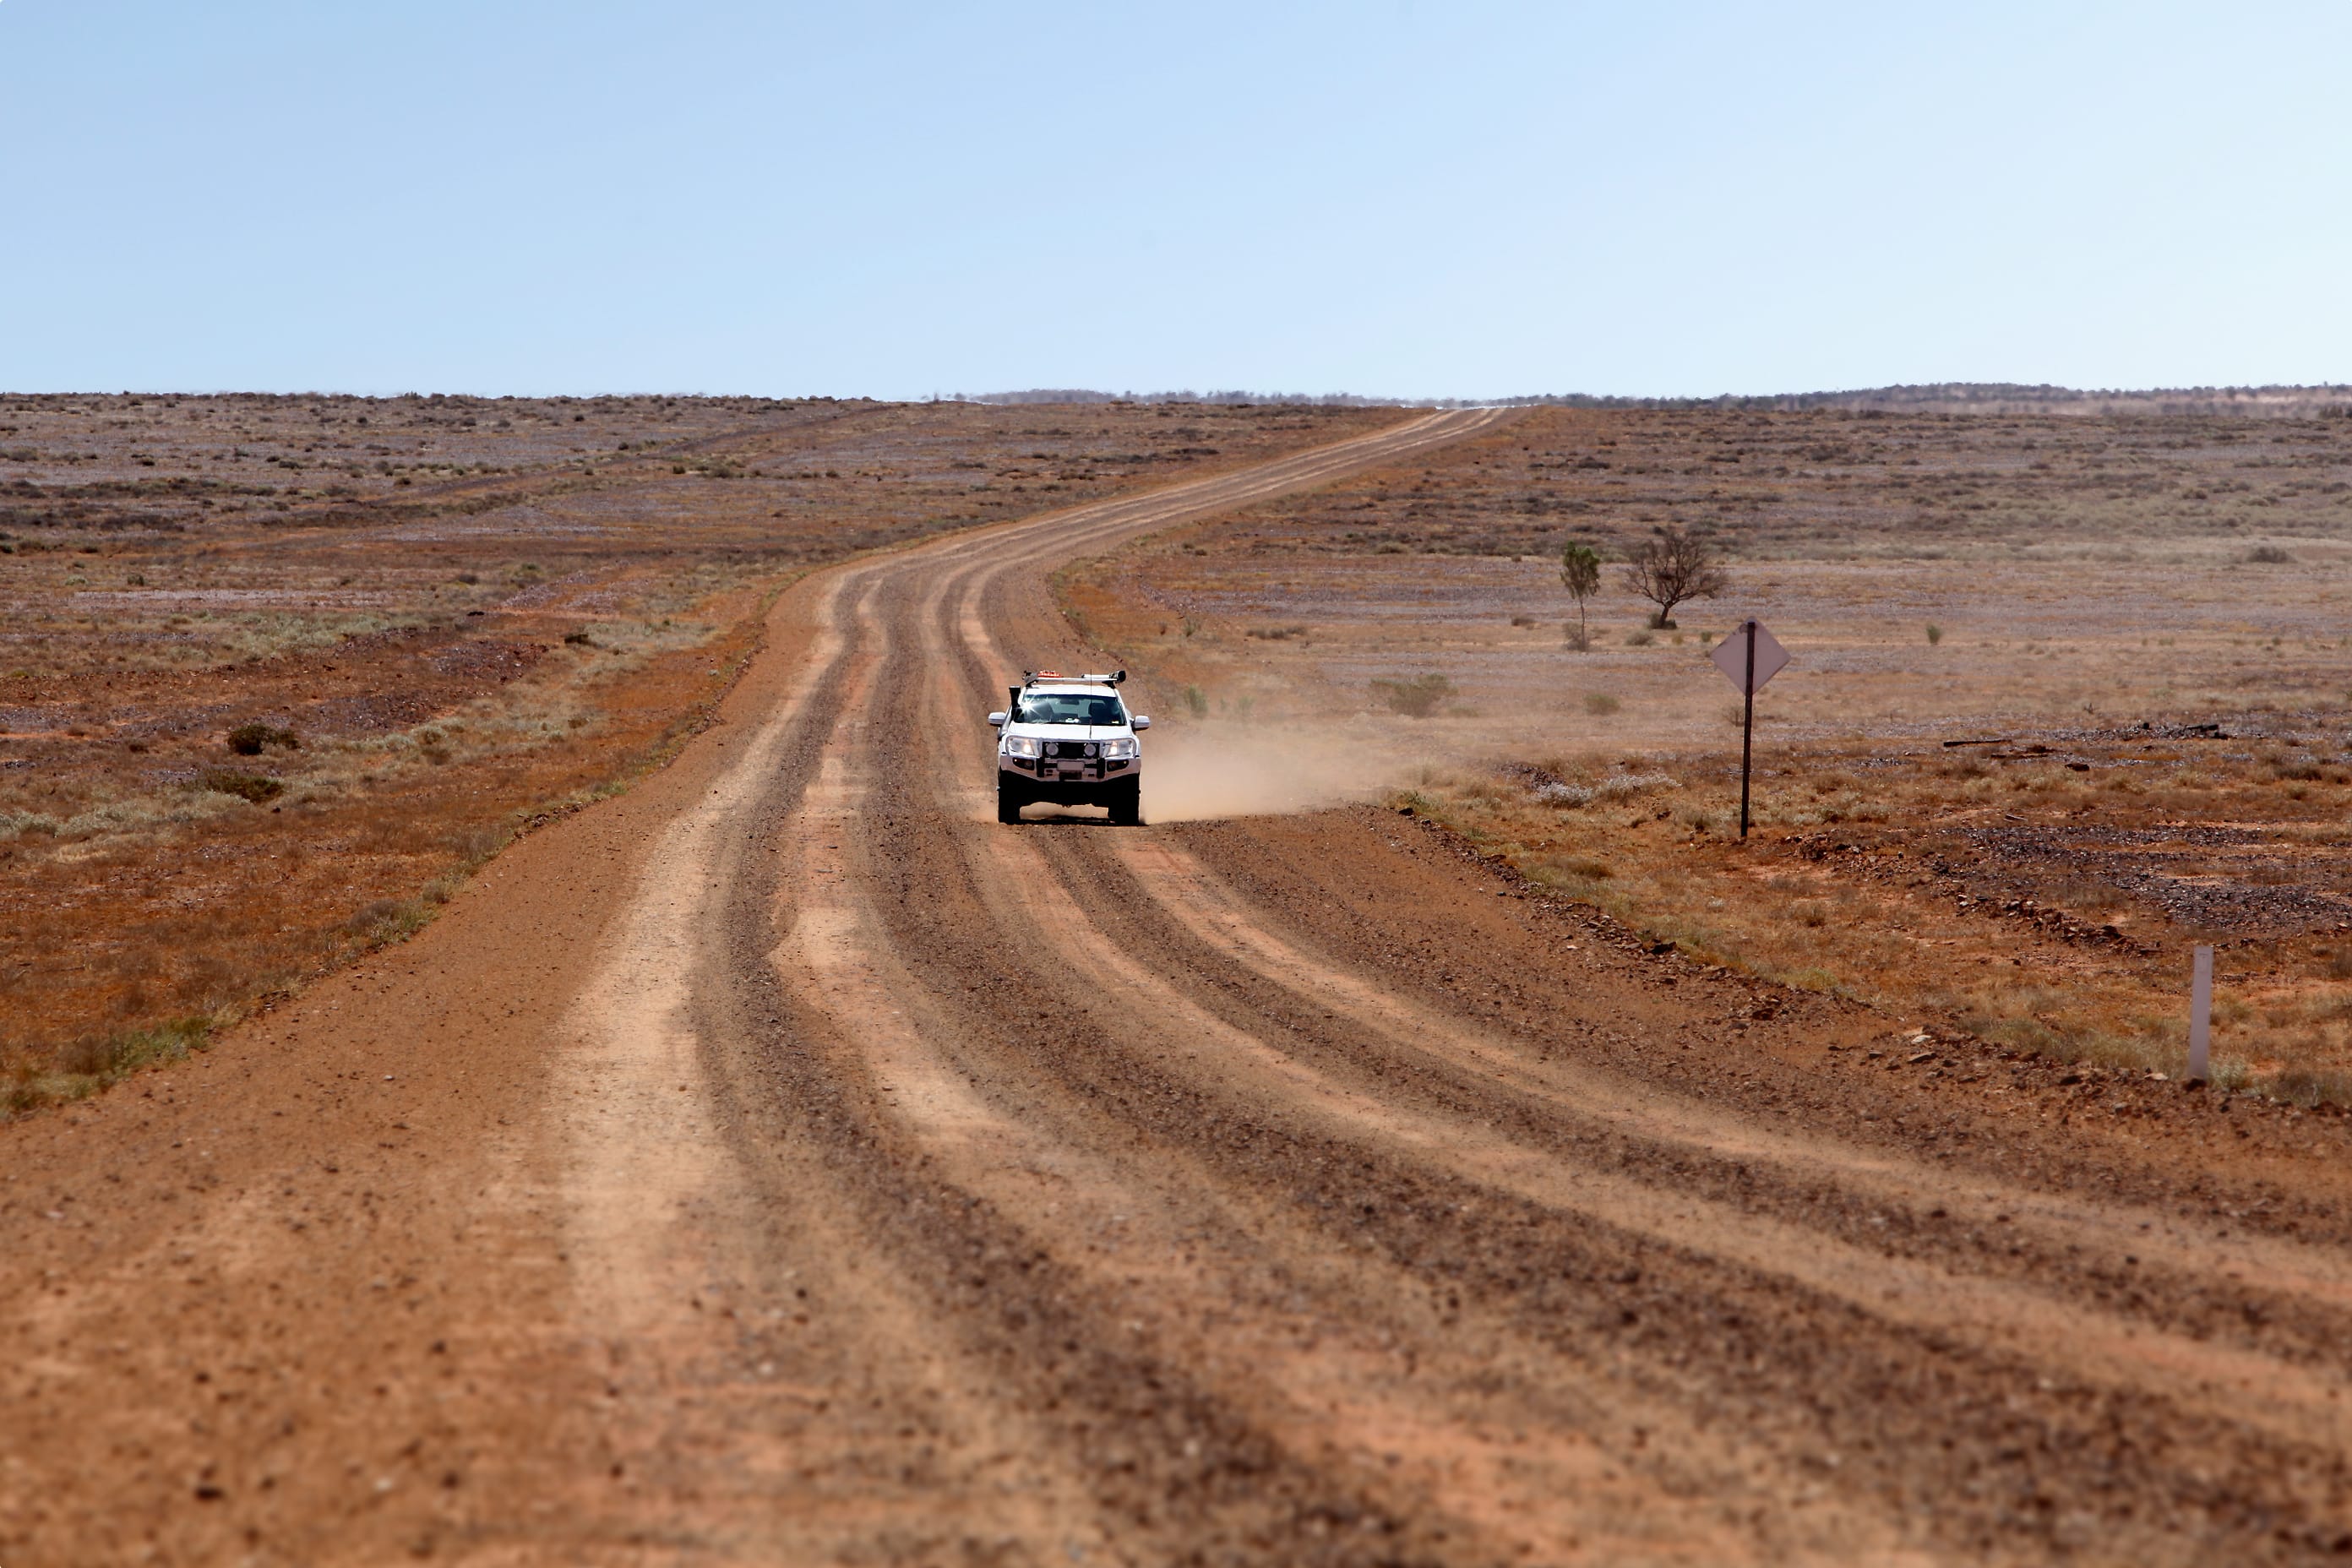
x=1192, y=1232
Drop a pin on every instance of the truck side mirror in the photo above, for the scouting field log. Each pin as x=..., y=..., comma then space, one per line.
x=996, y=721
x=1141, y=722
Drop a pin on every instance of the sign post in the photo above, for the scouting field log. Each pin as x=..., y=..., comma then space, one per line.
x=1748, y=657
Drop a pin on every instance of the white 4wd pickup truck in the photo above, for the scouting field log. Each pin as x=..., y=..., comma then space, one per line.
x=1069, y=740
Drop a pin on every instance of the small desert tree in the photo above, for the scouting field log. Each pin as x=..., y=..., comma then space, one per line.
x=1579, y=573
x=1673, y=565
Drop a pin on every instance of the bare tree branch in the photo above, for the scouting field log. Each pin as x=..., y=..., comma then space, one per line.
x=1673, y=565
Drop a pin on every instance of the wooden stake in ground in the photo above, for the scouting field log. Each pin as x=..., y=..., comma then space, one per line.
x=2200, y=1015
x=1748, y=657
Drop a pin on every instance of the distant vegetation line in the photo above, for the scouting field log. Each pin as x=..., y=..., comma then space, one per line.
x=1950, y=396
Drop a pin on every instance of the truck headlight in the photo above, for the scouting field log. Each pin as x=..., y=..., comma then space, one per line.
x=1023, y=746
x=1125, y=746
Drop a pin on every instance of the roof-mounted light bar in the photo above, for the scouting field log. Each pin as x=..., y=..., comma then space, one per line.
x=1031, y=677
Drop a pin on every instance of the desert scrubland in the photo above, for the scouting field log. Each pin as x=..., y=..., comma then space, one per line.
x=784, y=1161
x=277, y=672
x=2067, y=698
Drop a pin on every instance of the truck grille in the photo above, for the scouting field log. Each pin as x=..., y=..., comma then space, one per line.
x=1065, y=748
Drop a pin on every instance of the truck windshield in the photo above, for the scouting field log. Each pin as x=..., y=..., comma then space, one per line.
x=1069, y=708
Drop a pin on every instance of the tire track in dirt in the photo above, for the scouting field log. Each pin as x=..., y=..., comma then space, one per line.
x=471, y=1253
x=1226, y=1255
x=1381, y=1148
x=1726, y=1160
x=2200, y=1268
x=1965, y=1343
x=790, y=1076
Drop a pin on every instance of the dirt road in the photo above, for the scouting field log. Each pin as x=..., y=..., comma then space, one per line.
x=786, y=1163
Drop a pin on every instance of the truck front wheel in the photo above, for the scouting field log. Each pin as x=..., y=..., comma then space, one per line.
x=1008, y=802
x=1126, y=805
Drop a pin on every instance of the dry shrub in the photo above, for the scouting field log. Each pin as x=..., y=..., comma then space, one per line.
x=2300, y=1086
x=249, y=739
x=1417, y=697
x=256, y=787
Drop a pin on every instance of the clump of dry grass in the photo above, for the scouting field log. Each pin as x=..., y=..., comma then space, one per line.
x=96, y=1062
x=256, y=788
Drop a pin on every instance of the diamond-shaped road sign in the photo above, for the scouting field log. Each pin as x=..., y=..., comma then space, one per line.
x=1731, y=657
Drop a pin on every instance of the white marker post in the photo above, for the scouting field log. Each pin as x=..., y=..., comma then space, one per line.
x=2200, y=1015
x=1748, y=657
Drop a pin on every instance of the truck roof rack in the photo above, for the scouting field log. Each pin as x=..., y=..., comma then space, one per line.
x=1031, y=677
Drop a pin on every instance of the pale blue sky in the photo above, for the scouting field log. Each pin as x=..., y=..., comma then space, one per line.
x=1391, y=197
